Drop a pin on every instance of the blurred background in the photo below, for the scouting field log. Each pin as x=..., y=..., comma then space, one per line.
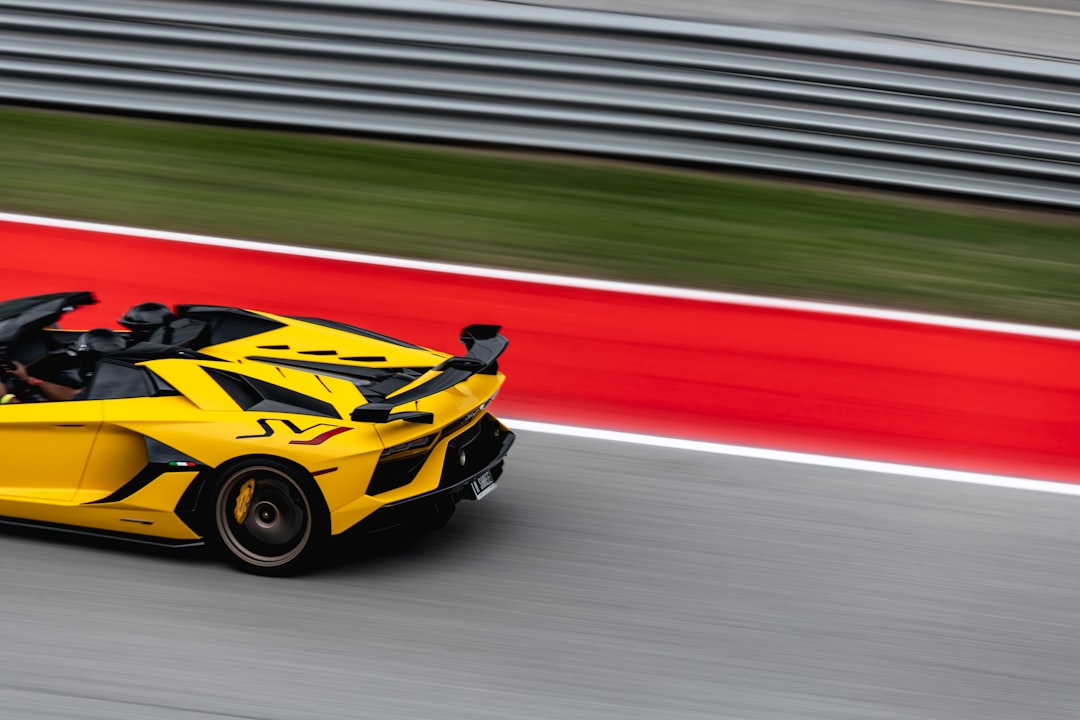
x=914, y=155
x=1033, y=27
x=919, y=154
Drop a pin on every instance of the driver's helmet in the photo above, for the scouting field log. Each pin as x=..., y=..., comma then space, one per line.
x=145, y=318
x=99, y=341
x=91, y=345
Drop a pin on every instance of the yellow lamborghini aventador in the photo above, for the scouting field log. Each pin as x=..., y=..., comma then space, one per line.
x=261, y=435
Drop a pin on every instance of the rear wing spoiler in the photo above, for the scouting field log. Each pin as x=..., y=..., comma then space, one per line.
x=483, y=345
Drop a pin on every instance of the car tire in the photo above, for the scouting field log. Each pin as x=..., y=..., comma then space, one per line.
x=267, y=517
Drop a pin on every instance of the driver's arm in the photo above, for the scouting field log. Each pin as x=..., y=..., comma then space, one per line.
x=51, y=390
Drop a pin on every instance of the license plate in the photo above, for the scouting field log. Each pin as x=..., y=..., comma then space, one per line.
x=482, y=485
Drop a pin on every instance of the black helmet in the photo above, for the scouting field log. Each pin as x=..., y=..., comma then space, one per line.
x=143, y=319
x=99, y=341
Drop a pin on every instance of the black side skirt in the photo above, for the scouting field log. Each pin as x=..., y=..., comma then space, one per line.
x=92, y=532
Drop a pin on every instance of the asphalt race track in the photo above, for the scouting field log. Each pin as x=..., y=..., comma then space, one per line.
x=601, y=580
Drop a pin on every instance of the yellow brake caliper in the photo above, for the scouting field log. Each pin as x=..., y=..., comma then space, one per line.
x=243, y=501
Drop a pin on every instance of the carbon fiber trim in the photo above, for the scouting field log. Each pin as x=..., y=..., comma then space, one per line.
x=159, y=461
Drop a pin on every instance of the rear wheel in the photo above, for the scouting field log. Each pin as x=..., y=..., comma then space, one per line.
x=269, y=518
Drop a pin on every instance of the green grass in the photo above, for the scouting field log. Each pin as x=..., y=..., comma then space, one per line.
x=559, y=215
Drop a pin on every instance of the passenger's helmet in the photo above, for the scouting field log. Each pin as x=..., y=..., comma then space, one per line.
x=145, y=318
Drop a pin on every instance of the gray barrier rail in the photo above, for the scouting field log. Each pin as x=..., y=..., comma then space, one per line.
x=646, y=89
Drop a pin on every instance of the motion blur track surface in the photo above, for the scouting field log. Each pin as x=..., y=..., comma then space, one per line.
x=602, y=581
x=833, y=384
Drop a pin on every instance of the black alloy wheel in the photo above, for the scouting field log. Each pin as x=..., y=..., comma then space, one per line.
x=269, y=518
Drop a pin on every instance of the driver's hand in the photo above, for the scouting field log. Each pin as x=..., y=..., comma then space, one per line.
x=19, y=371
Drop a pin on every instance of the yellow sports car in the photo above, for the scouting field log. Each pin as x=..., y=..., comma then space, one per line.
x=261, y=435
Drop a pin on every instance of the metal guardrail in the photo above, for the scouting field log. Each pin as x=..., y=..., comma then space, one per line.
x=647, y=89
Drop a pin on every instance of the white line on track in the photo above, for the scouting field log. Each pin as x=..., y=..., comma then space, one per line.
x=1015, y=7
x=562, y=280
x=872, y=466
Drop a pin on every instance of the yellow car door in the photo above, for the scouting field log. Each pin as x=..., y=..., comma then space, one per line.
x=45, y=448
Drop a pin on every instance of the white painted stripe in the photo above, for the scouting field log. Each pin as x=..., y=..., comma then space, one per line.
x=708, y=296
x=1015, y=7
x=870, y=466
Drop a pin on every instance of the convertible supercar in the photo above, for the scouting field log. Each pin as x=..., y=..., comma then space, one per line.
x=261, y=435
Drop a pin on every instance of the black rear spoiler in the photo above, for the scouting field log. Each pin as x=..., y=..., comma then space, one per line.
x=484, y=345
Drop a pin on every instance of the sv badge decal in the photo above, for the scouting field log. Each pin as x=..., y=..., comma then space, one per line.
x=318, y=439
